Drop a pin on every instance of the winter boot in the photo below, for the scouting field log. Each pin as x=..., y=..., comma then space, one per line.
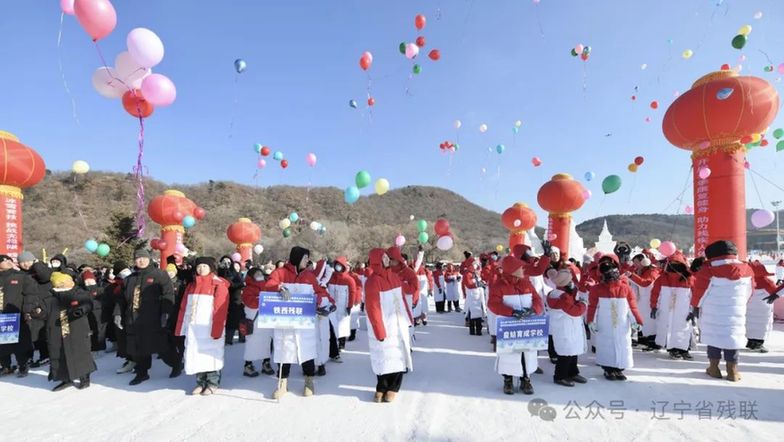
x=283, y=388
x=733, y=374
x=322, y=371
x=139, y=378
x=309, y=388
x=686, y=355
x=266, y=367
x=579, y=379
x=209, y=390
x=674, y=354
x=24, y=370
x=127, y=367
x=176, y=371
x=539, y=370
x=62, y=386
x=525, y=386
x=619, y=375
x=353, y=335
x=508, y=385
x=390, y=396
x=609, y=374
x=713, y=369
x=565, y=382
x=40, y=363
x=84, y=382
x=250, y=370
x=378, y=397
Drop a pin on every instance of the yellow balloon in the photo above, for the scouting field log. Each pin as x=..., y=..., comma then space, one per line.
x=687, y=54
x=655, y=243
x=284, y=223
x=745, y=30
x=755, y=137
x=80, y=167
x=499, y=248
x=382, y=186
x=632, y=168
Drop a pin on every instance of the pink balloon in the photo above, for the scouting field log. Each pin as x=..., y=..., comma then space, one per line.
x=97, y=17
x=158, y=90
x=762, y=218
x=704, y=173
x=412, y=50
x=587, y=194
x=667, y=248
x=67, y=6
x=400, y=240
x=236, y=257
x=311, y=159
x=579, y=48
x=180, y=248
x=689, y=210
x=261, y=164
x=145, y=47
x=536, y=161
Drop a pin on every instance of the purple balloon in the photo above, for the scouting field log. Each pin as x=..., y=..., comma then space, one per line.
x=762, y=218
x=158, y=90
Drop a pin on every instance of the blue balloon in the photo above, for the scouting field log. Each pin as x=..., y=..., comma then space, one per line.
x=91, y=245
x=515, y=129
x=589, y=176
x=353, y=104
x=351, y=195
x=240, y=65
x=724, y=93
x=188, y=222
x=293, y=217
x=277, y=156
x=500, y=148
x=257, y=147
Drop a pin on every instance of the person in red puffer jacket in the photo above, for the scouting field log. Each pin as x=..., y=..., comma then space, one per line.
x=258, y=344
x=202, y=320
x=669, y=305
x=566, y=327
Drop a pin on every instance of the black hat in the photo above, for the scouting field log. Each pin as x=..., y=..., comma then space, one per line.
x=467, y=254
x=721, y=248
x=118, y=267
x=209, y=261
x=295, y=257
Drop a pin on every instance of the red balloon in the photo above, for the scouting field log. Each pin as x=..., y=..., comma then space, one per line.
x=725, y=67
x=746, y=139
x=420, y=21
x=199, y=213
x=284, y=163
x=442, y=227
x=634, y=97
x=135, y=104
x=639, y=160
x=654, y=104
x=584, y=56
x=265, y=151
x=154, y=244
x=435, y=55
x=763, y=143
x=162, y=244
x=365, y=62
x=420, y=41
x=178, y=216
x=371, y=101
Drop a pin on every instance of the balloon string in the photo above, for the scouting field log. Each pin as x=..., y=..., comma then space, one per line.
x=538, y=20
x=679, y=197
x=234, y=107
x=62, y=71
x=754, y=182
x=766, y=180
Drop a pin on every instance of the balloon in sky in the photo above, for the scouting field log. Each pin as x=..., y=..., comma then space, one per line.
x=135, y=104
x=518, y=123
x=265, y=151
x=421, y=225
x=536, y=161
x=145, y=47
x=420, y=21
x=67, y=6
x=188, y=221
x=257, y=147
x=762, y=218
x=97, y=17
x=758, y=15
x=655, y=243
x=420, y=41
x=103, y=250
x=351, y=194
x=91, y=245
x=744, y=30
x=687, y=54
x=442, y=227
x=262, y=163
x=412, y=50
x=459, y=123
x=240, y=65
x=589, y=176
x=611, y=183
x=423, y=237
x=159, y=90
x=362, y=179
x=311, y=159
x=129, y=72
x=778, y=133
x=445, y=243
x=483, y=128
x=284, y=223
x=400, y=240
x=352, y=104
x=434, y=55
x=382, y=186
x=500, y=148
x=284, y=164
x=365, y=60
x=667, y=248
x=105, y=83
x=739, y=41
x=293, y=217
x=639, y=160
x=277, y=156
x=416, y=69
x=80, y=167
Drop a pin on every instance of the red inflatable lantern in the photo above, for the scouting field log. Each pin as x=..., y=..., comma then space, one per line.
x=518, y=219
x=560, y=196
x=168, y=210
x=20, y=167
x=244, y=233
x=710, y=120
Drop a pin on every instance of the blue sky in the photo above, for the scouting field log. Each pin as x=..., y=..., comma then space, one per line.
x=502, y=61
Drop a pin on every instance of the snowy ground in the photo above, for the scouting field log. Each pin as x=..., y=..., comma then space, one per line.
x=453, y=394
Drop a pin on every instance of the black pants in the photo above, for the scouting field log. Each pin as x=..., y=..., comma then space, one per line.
x=334, y=350
x=475, y=326
x=440, y=306
x=179, y=350
x=551, y=348
x=42, y=346
x=144, y=362
x=389, y=382
x=456, y=304
x=309, y=367
x=566, y=367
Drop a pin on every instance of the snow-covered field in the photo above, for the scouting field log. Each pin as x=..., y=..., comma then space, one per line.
x=453, y=394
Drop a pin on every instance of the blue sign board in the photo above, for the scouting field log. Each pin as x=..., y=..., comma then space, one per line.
x=298, y=312
x=518, y=335
x=9, y=328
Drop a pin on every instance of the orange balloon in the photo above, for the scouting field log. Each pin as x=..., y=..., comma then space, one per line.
x=632, y=168
x=135, y=104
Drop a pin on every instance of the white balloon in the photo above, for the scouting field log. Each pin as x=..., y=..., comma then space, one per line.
x=412, y=51
x=483, y=128
x=445, y=243
x=314, y=225
x=258, y=249
x=129, y=71
x=145, y=47
x=458, y=124
x=104, y=81
x=284, y=223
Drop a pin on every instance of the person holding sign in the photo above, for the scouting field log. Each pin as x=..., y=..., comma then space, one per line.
x=68, y=333
x=388, y=317
x=566, y=326
x=295, y=346
x=612, y=311
x=513, y=296
x=202, y=321
x=258, y=341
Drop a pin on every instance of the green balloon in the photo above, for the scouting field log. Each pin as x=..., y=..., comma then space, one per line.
x=362, y=179
x=457, y=147
x=780, y=146
x=402, y=47
x=739, y=41
x=417, y=69
x=778, y=133
x=286, y=232
x=611, y=184
x=421, y=225
x=423, y=237
x=574, y=53
x=103, y=250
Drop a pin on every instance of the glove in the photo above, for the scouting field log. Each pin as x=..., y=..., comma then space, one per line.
x=323, y=311
x=771, y=299
x=695, y=313
x=519, y=314
x=118, y=322
x=636, y=326
x=332, y=308
x=653, y=312
x=284, y=293
x=528, y=312
x=547, y=248
x=164, y=319
x=593, y=327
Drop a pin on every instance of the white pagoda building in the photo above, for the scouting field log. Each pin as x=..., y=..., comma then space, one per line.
x=605, y=243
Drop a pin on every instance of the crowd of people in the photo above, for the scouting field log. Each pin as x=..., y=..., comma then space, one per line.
x=186, y=312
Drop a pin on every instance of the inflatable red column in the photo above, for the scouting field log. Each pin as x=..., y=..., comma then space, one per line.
x=20, y=167
x=518, y=219
x=169, y=210
x=244, y=233
x=714, y=119
x=560, y=196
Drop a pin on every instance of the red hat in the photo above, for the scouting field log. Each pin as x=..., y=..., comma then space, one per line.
x=520, y=250
x=88, y=275
x=394, y=253
x=342, y=260
x=510, y=264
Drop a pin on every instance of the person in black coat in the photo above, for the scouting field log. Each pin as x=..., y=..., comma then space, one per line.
x=19, y=294
x=89, y=283
x=68, y=333
x=144, y=309
x=40, y=273
x=177, y=277
x=229, y=271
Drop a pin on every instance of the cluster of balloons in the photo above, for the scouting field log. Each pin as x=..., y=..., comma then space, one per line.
x=584, y=51
x=318, y=227
x=448, y=146
x=739, y=41
x=265, y=151
x=770, y=68
x=101, y=249
x=362, y=180
x=610, y=184
x=637, y=163
x=132, y=79
x=285, y=223
x=778, y=134
x=762, y=218
x=445, y=240
x=80, y=167
x=422, y=229
x=411, y=50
